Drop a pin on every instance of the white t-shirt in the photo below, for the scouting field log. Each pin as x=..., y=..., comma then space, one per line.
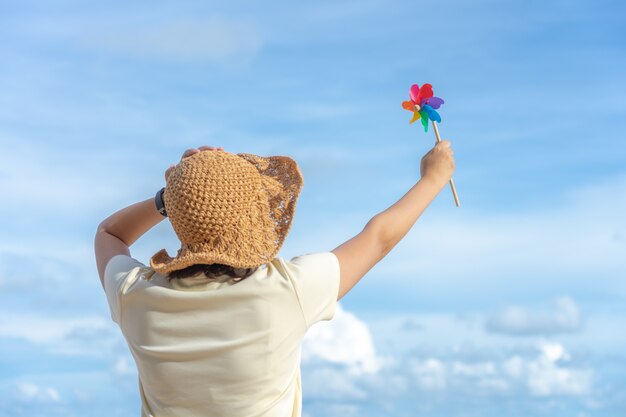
x=221, y=348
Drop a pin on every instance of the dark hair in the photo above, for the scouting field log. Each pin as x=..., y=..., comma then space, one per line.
x=212, y=271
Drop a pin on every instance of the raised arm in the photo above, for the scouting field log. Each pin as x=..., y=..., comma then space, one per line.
x=359, y=254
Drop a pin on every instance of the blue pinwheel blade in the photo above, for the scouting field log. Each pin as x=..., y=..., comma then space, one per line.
x=432, y=113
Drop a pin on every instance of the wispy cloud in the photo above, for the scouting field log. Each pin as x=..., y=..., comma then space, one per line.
x=28, y=392
x=45, y=177
x=213, y=39
x=125, y=366
x=515, y=253
x=516, y=320
x=84, y=336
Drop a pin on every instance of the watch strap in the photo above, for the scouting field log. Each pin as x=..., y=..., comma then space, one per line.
x=159, y=202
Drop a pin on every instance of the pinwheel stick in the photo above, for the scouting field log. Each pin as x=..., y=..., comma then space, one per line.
x=456, y=197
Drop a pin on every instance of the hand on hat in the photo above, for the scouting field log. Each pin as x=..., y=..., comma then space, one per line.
x=190, y=152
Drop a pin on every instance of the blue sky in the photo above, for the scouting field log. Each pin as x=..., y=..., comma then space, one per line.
x=511, y=305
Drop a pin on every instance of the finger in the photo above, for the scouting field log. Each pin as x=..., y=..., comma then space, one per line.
x=190, y=152
x=211, y=148
x=169, y=171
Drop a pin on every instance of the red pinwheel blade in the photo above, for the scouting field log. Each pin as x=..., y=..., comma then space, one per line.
x=425, y=92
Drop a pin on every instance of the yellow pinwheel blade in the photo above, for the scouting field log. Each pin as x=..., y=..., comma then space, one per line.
x=416, y=116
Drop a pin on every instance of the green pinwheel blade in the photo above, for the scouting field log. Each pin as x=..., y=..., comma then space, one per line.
x=424, y=118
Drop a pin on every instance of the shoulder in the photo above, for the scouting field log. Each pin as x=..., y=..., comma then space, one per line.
x=313, y=263
x=122, y=262
x=119, y=267
x=310, y=269
x=315, y=279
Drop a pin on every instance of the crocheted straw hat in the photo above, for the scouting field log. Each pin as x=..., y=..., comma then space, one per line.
x=232, y=209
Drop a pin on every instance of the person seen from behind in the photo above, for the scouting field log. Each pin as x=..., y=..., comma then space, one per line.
x=216, y=330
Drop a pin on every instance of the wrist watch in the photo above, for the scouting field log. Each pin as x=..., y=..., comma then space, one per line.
x=160, y=204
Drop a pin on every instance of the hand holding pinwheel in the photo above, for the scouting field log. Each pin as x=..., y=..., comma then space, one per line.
x=423, y=104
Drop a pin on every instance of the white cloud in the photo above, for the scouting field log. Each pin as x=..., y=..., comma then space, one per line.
x=547, y=378
x=430, y=374
x=543, y=375
x=473, y=370
x=516, y=320
x=447, y=353
x=28, y=392
x=494, y=384
x=343, y=340
x=450, y=374
x=514, y=366
x=547, y=374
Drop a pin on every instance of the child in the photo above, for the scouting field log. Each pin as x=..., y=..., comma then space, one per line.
x=216, y=330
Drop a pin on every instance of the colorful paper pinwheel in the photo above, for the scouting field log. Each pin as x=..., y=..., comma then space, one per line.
x=423, y=104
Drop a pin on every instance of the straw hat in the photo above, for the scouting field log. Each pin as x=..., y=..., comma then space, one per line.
x=232, y=209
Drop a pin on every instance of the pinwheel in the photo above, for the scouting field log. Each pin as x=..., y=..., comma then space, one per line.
x=423, y=104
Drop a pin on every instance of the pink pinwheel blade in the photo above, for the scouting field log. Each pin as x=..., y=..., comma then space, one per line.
x=414, y=93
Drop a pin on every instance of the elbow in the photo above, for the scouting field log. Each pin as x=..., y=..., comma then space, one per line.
x=378, y=228
x=104, y=228
x=101, y=228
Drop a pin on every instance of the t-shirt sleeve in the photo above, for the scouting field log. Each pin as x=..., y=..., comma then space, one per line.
x=316, y=281
x=116, y=275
